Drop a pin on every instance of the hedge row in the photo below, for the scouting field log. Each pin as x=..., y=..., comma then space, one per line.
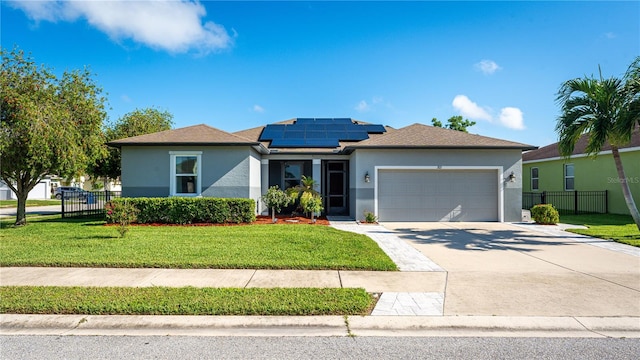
x=182, y=210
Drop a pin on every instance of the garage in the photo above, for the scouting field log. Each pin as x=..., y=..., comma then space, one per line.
x=437, y=195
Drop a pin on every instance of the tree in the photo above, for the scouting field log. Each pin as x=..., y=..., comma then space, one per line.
x=137, y=122
x=454, y=123
x=606, y=110
x=276, y=199
x=49, y=124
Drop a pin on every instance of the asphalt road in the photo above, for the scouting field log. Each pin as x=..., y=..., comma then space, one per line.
x=165, y=347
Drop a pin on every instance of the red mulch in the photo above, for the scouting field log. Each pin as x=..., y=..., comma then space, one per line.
x=260, y=220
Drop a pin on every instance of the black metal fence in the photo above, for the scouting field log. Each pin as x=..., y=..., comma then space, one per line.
x=569, y=202
x=86, y=203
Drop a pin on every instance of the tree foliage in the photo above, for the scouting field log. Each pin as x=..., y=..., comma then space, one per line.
x=137, y=122
x=606, y=110
x=276, y=199
x=454, y=123
x=49, y=124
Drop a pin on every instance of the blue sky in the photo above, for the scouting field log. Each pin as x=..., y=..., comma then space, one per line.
x=236, y=65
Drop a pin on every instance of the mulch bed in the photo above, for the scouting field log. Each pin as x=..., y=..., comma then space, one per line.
x=260, y=220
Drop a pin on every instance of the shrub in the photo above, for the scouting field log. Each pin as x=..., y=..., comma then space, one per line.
x=276, y=199
x=369, y=217
x=311, y=203
x=122, y=213
x=545, y=214
x=182, y=210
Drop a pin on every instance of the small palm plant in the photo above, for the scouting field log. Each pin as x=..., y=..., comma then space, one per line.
x=276, y=199
x=307, y=194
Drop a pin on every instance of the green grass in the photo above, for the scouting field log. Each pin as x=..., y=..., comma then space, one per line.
x=14, y=203
x=619, y=228
x=82, y=243
x=183, y=301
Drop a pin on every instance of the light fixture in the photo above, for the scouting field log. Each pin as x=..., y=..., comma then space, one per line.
x=367, y=178
x=512, y=177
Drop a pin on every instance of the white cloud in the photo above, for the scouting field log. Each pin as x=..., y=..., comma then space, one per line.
x=174, y=26
x=376, y=102
x=488, y=67
x=257, y=108
x=468, y=108
x=362, y=106
x=511, y=117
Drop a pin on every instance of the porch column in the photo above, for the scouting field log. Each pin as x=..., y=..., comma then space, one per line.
x=264, y=184
x=316, y=173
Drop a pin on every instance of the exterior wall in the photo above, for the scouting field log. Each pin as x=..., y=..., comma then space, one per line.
x=255, y=178
x=226, y=171
x=365, y=161
x=590, y=175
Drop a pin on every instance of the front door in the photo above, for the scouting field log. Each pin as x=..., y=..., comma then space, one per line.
x=335, y=187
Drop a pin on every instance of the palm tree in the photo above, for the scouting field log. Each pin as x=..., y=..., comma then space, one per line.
x=306, y=189
x=605, y=110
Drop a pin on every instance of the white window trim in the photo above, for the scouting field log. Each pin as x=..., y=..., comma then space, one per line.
x=172, y=172
x=564, y=179
x=537, y=188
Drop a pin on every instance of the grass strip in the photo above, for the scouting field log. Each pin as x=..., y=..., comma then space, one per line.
x=82, y=243
x=14, y=203
x=183, y=301
x=619, y=228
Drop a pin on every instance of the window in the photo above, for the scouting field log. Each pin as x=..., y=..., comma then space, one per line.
x=292, y=174
x=534, y=178
x=569, y=181
x=185, y=173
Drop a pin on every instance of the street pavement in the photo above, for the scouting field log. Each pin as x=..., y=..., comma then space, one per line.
x=456, y=279
x=40, y=210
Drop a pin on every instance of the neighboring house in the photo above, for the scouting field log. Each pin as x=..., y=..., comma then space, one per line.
x=416, y=173
x=546, y=170
x=42, y=191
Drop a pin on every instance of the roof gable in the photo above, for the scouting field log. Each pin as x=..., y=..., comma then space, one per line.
x=191, y=135
x=553, y=151
x=424, y=136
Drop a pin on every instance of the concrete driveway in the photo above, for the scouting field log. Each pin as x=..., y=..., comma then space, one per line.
x=511, y=270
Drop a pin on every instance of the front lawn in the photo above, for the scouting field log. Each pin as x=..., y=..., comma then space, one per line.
x=14, y=203
x=620, y=228
x=182, y=301
x=81, y=243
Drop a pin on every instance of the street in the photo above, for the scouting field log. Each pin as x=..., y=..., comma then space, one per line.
x=188, y=347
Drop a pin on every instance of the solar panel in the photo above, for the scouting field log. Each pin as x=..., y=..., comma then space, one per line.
x=289, y=134
x=374, y=129
x=317, y=132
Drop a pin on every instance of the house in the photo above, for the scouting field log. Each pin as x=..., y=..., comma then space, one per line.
x=415, y=173
x=42, y=191
x=546, y=170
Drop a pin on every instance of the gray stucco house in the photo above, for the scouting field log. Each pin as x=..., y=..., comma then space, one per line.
x=415, y=173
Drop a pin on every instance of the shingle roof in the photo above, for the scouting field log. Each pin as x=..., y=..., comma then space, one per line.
x=552, y=151
x=424, y=136
x=412, y=136
x=192, y=135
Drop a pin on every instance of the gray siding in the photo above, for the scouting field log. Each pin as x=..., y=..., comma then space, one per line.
x=226, y=170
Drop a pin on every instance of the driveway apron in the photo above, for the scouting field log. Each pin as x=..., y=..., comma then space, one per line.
x=504, y=269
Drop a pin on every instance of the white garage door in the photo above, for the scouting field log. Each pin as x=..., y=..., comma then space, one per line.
x=437, y=195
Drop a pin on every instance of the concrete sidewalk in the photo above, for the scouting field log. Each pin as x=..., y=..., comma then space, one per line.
x=485, y=279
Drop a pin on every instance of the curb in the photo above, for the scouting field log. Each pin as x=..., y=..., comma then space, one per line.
x=459, y=326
